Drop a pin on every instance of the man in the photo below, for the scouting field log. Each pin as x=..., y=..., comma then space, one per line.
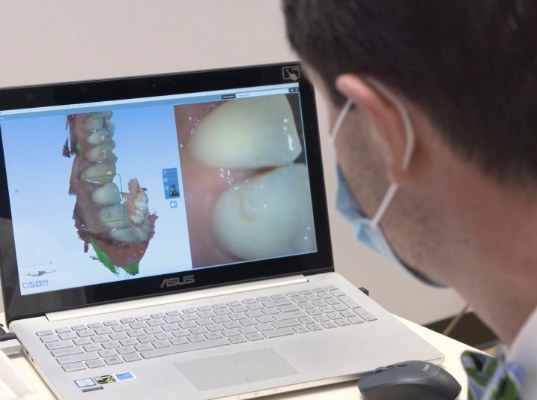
x=436, y=142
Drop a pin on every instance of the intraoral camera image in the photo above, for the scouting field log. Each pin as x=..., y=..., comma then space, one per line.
x=246, y=182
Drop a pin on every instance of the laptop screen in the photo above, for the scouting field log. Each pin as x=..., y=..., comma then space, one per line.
x=163, y=179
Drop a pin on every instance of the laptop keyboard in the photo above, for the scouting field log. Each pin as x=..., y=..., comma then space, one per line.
x=176, y=331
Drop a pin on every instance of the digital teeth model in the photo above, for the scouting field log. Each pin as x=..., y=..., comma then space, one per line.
x=117, y=225
x=248, y=133
x=268, y=214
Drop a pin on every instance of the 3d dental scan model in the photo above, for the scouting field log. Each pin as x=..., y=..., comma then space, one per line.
x=245, y=179
x=117, y=225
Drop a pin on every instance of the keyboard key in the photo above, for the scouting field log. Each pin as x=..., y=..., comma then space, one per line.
x=59, y=345
x=67, y=351
x=215, y=327
x=128, y=342
x=231, y=332
x=118, y=335
x=79, y=327
x=100, y=338
x=207, y=314
x=145, y=338
x=356, y=320
x=247, y=329
x=143, y=347
x=254, y=336
x=237, y=339
x=156, y=322
x=278, y=332
x=184, y=348
x=212, y=335
x=314, y=327
x=329, y=324
x=94, y=325
x=342, y=322
x=75, y=358
x=107, y=353
x=300, y=329
x=198, y=330
x=288, y=308
x=113, y=360
x=286, y=323
x=349, y=302
x=178, y=340
x=93, y=347
x=131, y=357
x=367, y=316
x=81, y=341
x=86, y=333
x=161, y=343
x=133, y=325
x=67, y=335
x=94, y=363
x=125, y=350
x=289, y=315
x=196, y=338
x=163, y=336
x=73, y=367
x=136, y=332
x=152, y=330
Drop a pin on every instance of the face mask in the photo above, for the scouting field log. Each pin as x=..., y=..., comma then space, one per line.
x=367, y=230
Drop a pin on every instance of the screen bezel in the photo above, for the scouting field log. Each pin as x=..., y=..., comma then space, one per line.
x=18, y=306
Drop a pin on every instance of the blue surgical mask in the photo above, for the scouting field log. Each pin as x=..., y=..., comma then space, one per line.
x=367, y=230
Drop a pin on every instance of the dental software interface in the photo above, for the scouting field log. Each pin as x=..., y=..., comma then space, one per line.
x=117, y=190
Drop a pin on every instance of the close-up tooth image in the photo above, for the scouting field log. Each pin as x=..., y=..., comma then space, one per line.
x=247, y=192
x=117, y=225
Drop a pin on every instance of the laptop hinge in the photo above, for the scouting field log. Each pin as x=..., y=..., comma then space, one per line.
x=174, y=298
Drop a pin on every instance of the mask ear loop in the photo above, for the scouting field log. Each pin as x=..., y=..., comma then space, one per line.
x=409, y=132
x=339, y=121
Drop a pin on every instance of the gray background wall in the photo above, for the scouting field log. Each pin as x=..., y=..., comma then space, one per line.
x=63, y=40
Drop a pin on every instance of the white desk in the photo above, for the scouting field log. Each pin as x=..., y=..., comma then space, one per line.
x=345, y=391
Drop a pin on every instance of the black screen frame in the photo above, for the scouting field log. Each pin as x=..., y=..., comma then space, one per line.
x=18, y=306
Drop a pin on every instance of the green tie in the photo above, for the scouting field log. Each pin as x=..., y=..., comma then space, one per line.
x=491, y=378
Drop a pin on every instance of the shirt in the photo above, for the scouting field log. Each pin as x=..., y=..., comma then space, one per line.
x=524, y=353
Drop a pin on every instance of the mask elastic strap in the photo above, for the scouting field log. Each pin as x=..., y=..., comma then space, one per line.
x=339, y=120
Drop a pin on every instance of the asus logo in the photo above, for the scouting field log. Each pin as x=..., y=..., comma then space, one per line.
x=178, y=281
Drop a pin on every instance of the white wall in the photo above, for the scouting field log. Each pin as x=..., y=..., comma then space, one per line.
x=64, y=40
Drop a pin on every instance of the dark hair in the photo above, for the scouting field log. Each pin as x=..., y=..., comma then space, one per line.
x=470, y=65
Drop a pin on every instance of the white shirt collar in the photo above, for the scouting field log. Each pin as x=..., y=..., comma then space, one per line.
x=524, y=352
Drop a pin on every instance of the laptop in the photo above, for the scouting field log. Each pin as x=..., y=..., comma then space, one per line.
x=168, y=236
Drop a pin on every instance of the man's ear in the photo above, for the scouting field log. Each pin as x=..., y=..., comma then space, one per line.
x=388, y=127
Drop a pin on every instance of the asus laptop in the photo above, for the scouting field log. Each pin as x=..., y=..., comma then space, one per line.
x=167, y=236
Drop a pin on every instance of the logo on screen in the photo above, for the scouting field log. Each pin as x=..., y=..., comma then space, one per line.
x=291, y=73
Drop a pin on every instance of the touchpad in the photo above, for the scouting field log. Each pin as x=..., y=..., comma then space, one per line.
x=235, y=369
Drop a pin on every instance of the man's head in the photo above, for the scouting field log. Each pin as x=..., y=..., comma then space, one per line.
x=465, y=211
x=471, y=66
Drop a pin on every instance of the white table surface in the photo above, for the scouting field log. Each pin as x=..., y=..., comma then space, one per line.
x=344, y=391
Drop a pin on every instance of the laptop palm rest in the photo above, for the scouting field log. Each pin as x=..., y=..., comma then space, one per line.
x=235, y=369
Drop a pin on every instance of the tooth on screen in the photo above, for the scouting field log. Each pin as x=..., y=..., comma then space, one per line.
x=268, y=215
x=248, y=134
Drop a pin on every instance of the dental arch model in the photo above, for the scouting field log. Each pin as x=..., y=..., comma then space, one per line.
x=270, y=213
x=117, y=225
